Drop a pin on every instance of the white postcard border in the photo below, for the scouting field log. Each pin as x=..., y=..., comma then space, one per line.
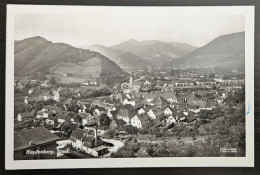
x=248, y=161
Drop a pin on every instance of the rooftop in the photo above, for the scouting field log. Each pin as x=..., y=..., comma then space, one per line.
x=36, y=136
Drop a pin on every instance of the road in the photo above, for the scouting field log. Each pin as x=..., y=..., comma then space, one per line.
x=117, y=144
x=61, y=144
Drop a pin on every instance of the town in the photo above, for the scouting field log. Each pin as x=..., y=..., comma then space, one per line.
x=156, y=112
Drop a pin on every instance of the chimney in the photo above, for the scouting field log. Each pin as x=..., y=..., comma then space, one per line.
x=96, y=138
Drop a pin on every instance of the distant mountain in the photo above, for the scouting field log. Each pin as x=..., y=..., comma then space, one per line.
x=36, y=54
x=153, y=51
x=130, y=60
x=108, y=52
x=123, y=59
x=227, y=50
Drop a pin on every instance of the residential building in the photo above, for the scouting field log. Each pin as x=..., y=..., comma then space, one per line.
x=29, y=141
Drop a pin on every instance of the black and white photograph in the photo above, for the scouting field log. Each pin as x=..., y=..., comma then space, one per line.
x=152, y=86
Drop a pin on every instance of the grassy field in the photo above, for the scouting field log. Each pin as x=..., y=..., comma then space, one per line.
x=85, y=71
x=91, y=67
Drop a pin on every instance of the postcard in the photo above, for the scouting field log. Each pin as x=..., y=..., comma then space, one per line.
x=129, y=86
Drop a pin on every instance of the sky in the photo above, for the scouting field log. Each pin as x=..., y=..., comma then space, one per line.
x=110, y=28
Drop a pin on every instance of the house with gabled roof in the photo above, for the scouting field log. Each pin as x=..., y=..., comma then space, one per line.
x=112, y=114
x=67, y=103
x=167, y=111
x=190, y=118
x=87, y=141
x=113, y=124
x=45, y=96
x=62, y=117
x=48, y=110
x=125, y=115
x=139, y=120
x=155, y=112
x=87, y=118
x=210, y=104
x=170, y=97
x=180, y=116
x=69, y=126
x=24, y=116
x=31, y=90
x=28, y=141
x=170, y=119
x=193, y=108
x=53, y=109
x=128, y=101
x=84, y=106
x=159, y=101
x=202, y=104
x=141, y=111
x=149, y=96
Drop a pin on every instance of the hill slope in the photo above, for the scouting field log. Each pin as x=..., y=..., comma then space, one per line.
x=130, y=60
x=36, y=54
x=226, y=50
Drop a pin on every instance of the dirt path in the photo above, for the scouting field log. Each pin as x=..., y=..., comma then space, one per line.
x=117, y=144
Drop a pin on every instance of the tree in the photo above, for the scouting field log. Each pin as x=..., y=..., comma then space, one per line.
x=104, y=120
x=53, y=81
x=131, y=129
x=110, y=134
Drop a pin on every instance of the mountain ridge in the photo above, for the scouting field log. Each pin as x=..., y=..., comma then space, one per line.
x=36, y=54
x=154, y=52
x=223, y=50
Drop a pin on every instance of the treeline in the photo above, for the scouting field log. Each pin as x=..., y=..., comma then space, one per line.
x=111, y=72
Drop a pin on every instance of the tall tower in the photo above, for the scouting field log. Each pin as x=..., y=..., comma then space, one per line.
x=173, y=81
x=131, y=81
x=208, y=73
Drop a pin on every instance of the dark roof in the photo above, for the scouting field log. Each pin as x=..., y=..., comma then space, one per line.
x=147, y=108
x=32, y=98
x=191, y=117
x=61, y=116
x=37, y=136
x=84, y=115
x=89, y=138
x=149, y=95
x=210, y=103
x=191, y=106
x=52, y=108
x=72, y=126
x=26, y=114
x=68, y=101
x=157, y=100
x=125, y=113
x=143, y=117
x=102, y=109
x=78, y=133
x=128, y=106
x=114, y=113
x=201, y=103
x=68, y=125
x=165, y=107
x=181, y=115
x=157, y=112
x=169, y=95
